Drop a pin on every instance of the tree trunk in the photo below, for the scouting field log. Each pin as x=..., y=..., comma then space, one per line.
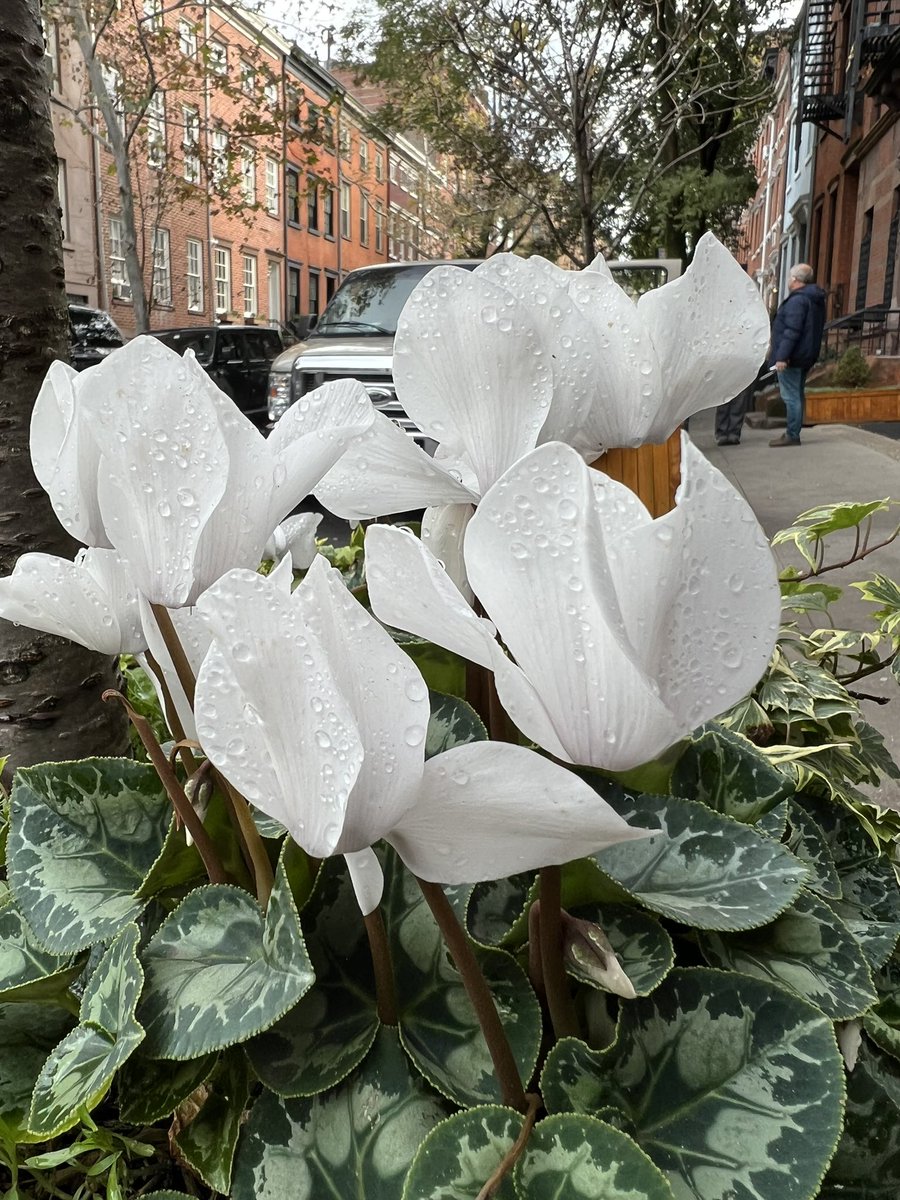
x=50, y=707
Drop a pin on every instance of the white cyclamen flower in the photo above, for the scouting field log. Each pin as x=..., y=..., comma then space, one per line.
x=623, y=633
x=91, y=601
x=494, y=362
x=186, y=486
x=307, y=706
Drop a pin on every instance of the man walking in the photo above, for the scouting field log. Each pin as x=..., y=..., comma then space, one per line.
x=796, y=338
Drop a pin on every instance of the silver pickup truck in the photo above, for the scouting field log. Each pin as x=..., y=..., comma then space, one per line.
x=354, y=337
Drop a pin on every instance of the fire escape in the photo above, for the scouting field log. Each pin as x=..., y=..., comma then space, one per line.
x=879, y=51
x=821, y=99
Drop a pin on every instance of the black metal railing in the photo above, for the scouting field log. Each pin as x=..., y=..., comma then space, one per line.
x=874, y=331
x=881, y=20
x=821, y=97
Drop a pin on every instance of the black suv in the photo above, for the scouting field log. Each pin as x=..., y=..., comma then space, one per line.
x=237, y=357
x=92, y=335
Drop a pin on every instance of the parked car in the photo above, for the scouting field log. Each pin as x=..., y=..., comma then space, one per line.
x=92, y=335
x=237, y=357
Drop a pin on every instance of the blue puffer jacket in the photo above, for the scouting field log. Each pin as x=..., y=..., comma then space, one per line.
x=797, y=328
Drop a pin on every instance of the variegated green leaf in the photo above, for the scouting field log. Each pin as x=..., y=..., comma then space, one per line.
x=180, y=865
x=867, y=1163
x=206, y=1138
x=168, y=1195
x=80, y=1069
x=28, y=1033
x=453, y=722
x=774, y=823
x=438, y=1026
x=882, y=1024
x=885, y=1036
x=219, y=971
x=807, y=949
x=642, y=946
x=82, y=837
x=152, y=1088
x=806, y=839
x=705, y=870
x=462, y=1153
x=497, y=908
x=325, y=1036
x=728, y=773
x=355, y=1142
x=733, y=1087
x=576, y=1157
x=27, y=971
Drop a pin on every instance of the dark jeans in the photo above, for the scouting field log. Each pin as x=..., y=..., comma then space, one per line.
x=730, y=415
x=791, y=382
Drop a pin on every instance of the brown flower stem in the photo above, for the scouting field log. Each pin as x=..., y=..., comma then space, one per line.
x=174, y=790
x=479, y=994
x=172, y=718
x=556, y=982
x=535, y=965
x=477, y=691
x=512, y=1155
x=385, y=991
x=251, y=840
x=183, y=668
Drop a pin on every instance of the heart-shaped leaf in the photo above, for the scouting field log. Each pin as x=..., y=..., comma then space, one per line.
x=28, y=1033
x=27, y=971
x=461, y=1154
x=729, y=774
x=642, y=946
x=867, y=1163
x=452, y=722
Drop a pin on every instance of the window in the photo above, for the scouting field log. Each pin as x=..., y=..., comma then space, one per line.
x=250, y=299
x=272, y=173
x=194, y=275
x=219, y=165
x=392, y=236
x=271, y=93
x=328, y=131
x=293, y=105
x=363, y=218
x=293, y=293
x=363, y=155
x=153, y=13
x=248, y=78
x=395, y=172
x=330, y=286
x=379, y=165
x=865, y=251
x=248, y=176
x=51, y=52
x=191, y=143
x=345, y=210
x=156, y=130
x=187, y=38
x=292, y=185
x=329, y=212
x=222, y=267
x=344, y=142
x=274, y=272
x=217, y=55
x=112, y=81
x=118, y=275
x=63, y=189
x=162, y=267
x=379, y=227
x=314, y=293
x=312, y=205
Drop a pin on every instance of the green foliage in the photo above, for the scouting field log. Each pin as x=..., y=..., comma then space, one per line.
x=852, y=370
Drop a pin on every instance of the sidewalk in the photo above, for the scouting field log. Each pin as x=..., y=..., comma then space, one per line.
x=835, y=462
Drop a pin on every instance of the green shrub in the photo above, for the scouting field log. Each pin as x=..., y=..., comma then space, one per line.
x=852, y=370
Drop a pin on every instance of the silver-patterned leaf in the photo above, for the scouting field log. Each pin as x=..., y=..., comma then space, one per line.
x=807, y=840
x=82, y=837
x=807, y=949
x=774, y=822
x=496, y=908
x=78, y=1072
x=325, y=1036
x=733, y=1087
x=867, y=1163
x=577, y=1157
x=355, y=1142
x=452, y=722
x=219, y=971
x=28, y=1033
x=152, y=1088
x=462, y=1153
x=642, y=946
x=729, y=774
x=27, y=971
x=206, y=1127
x=705, y=869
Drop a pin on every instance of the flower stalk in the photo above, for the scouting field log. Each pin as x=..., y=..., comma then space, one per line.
x=383, y=967
x=553, y=971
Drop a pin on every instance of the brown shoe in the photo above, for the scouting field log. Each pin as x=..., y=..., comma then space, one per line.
x=784, y=440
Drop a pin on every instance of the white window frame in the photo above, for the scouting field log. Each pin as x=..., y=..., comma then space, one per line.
x=345, y=143
x=219, y=157
x=155, y=117
x=222, y=268
x=364, y=155
x=379, y=227
x=273, y=284
x=217, y=56
x=363, y=218
x=118, y=271
x=51, y=51
x=251, y=285
x=248, y=175
x=62, y=185
x=191, y=143
x=153, y=18
x=194, y=275
x=271, y=93
x=162, y=267
x=248, y=78
x=345, y=216
x=112, y=79
x=379, y=166
x=187, y=38
x=273, y=172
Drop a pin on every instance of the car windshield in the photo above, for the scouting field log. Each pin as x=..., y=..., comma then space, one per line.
x=198, y=340
x=93, y=327
x=370, y=303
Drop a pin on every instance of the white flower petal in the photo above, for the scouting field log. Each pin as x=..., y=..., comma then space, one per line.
x=295, y=537
x=65, y=457
x=711, y=331
x=165, y=462
x=73, y=600
x=367, y=878
x=409, y=589
x=443, y=532
x=386, y=694
x=194, y=636
x=488, y=809
x=269, y=715
x=537, y=559
x=470, y=369
x=384, y=471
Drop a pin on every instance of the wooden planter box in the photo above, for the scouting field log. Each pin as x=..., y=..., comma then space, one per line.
x=652, y=472
x=854, y=406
